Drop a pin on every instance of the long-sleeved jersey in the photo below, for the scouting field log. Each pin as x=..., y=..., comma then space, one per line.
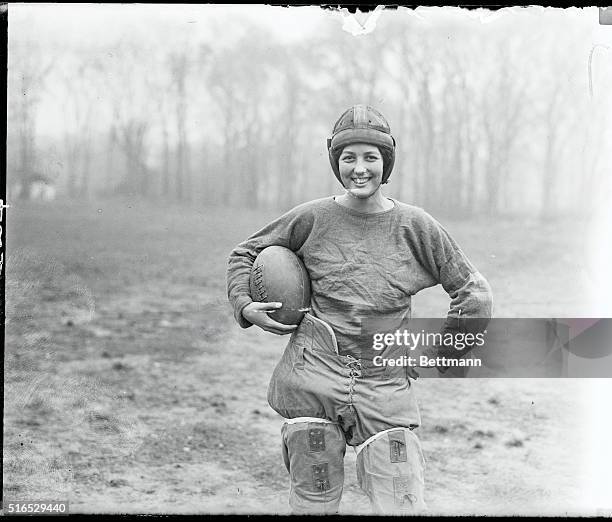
x=365, y=267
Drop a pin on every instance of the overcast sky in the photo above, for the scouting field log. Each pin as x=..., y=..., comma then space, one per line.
x=103, y=22
x=86, y=22
x=66, y=28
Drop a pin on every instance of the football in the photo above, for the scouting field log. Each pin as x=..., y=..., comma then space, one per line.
x=278, y=275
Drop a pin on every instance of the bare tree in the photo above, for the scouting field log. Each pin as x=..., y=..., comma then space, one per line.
x=29, y=69
x=560, y=114
x=238, y=80
x=80, y=110
x=129, y=86
x=179, y=69
x=503, y=109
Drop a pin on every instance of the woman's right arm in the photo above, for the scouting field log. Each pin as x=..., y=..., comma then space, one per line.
x=290, y=231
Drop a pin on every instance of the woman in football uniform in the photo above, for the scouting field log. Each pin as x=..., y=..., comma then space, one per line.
x=366, y=255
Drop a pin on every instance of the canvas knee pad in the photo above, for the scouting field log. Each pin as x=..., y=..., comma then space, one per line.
x=313, y=451
x=390, y=471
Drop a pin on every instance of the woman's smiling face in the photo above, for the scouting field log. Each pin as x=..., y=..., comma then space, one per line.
x=361, y=169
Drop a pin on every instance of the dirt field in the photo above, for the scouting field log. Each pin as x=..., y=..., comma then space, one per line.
x=129, y=388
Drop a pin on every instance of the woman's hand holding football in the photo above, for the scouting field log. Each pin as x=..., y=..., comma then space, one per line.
x=257, y=313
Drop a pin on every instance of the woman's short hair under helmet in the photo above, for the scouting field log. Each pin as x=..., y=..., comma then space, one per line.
x=362, y=124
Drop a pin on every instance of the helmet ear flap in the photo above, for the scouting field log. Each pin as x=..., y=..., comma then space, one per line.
x=388, y=162
x=333, y=160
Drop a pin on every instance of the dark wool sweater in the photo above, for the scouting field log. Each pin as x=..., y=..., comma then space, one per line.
x=365, y=267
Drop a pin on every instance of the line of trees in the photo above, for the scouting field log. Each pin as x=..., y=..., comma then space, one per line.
x=489, y=118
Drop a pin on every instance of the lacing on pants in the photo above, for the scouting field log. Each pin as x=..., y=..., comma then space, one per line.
x=355, y=371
